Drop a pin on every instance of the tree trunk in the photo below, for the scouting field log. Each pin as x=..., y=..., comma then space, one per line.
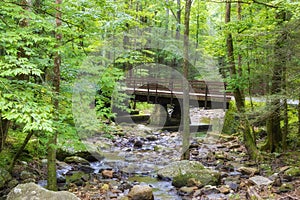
x=237, y=92
x=275, y=138
x=299, y=116
x=186, y=100
x=4, y=126
x=178, y=18
x=20, y=150
x=52, y=179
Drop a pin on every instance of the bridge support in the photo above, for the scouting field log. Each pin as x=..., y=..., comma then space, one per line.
x=160, y=115
x=176, y=114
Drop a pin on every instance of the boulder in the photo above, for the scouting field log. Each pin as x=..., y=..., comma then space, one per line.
x=186, y=172
x=139, y=192
x=34, y=191
x=91, y=156
x=4, y=177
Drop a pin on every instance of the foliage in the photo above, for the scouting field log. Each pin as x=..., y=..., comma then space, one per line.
x=28, y=45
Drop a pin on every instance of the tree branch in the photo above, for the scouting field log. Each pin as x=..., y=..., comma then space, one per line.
x=43, y=11
x=245, y=2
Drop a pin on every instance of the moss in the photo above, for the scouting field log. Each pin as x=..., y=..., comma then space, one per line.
x=231, y=122
x=293, y=171
x=201, y=178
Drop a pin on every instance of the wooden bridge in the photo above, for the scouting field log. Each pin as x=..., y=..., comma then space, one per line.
x=207, y=94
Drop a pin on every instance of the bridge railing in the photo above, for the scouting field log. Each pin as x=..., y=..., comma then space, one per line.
x=175, y=85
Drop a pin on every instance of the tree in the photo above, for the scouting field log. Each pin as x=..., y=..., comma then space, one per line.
x=249, y=140
x=52, y=179
x=186, y=90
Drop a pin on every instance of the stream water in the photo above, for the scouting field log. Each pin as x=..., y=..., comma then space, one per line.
x=139, y=153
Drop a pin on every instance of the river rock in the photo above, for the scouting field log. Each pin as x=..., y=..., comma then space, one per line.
x=183, y=171
x=91, y=156
x=4, y=177
x=248, y=170
x=260, y=180
x=27, y=175
x=107, y=173
x=286, y=187
x=225, y=189
x=76, y=159
x=36, y=192
x=139, y=192
x=77, y=177
x=188, y=190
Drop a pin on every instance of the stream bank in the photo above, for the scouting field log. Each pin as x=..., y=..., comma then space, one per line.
x=136, y=153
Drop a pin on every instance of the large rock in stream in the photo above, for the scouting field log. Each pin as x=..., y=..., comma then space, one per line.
x=36, y=192
x=141, y=192
x=185, y=172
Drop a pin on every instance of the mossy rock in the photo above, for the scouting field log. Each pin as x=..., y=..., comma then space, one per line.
x=77, y=160
x=77, y=178
x=34, y=191
x=293, y=171
x=286, y=187
x=179, y=167
x=201, y=178
x=4, y=177
x=184, y=172
x=231, y=122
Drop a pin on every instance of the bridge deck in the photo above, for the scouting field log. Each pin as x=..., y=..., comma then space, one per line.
x=150, y=89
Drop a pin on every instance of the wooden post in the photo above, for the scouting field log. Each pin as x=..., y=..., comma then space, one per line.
x=148, y=94
x=225, y=99
x=156, y=95
x=206, y=96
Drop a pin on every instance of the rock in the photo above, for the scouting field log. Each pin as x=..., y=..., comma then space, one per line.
x=138, y=144
x=77, y=177
x=195, y=152
x=207, y=190
x=139, y=192
x=61, y=154
x=293, y=171
x=260, y=180
x=27, y=175
x=188, y=190
x=12, y=183
x=91, y=156
x=220, y=155
x=76, y=159
x=105, y=187
x=276, y=179
x=36, y=192
x=224, y=189
x=248, y=170
x=107, y=173
x=151, y=138
x=233, y=185
x=179, y=167
x=193, y=182
x=4, y=177
x=284, y=168
x=86, y=168
x=182, y=171
x=286, y=187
